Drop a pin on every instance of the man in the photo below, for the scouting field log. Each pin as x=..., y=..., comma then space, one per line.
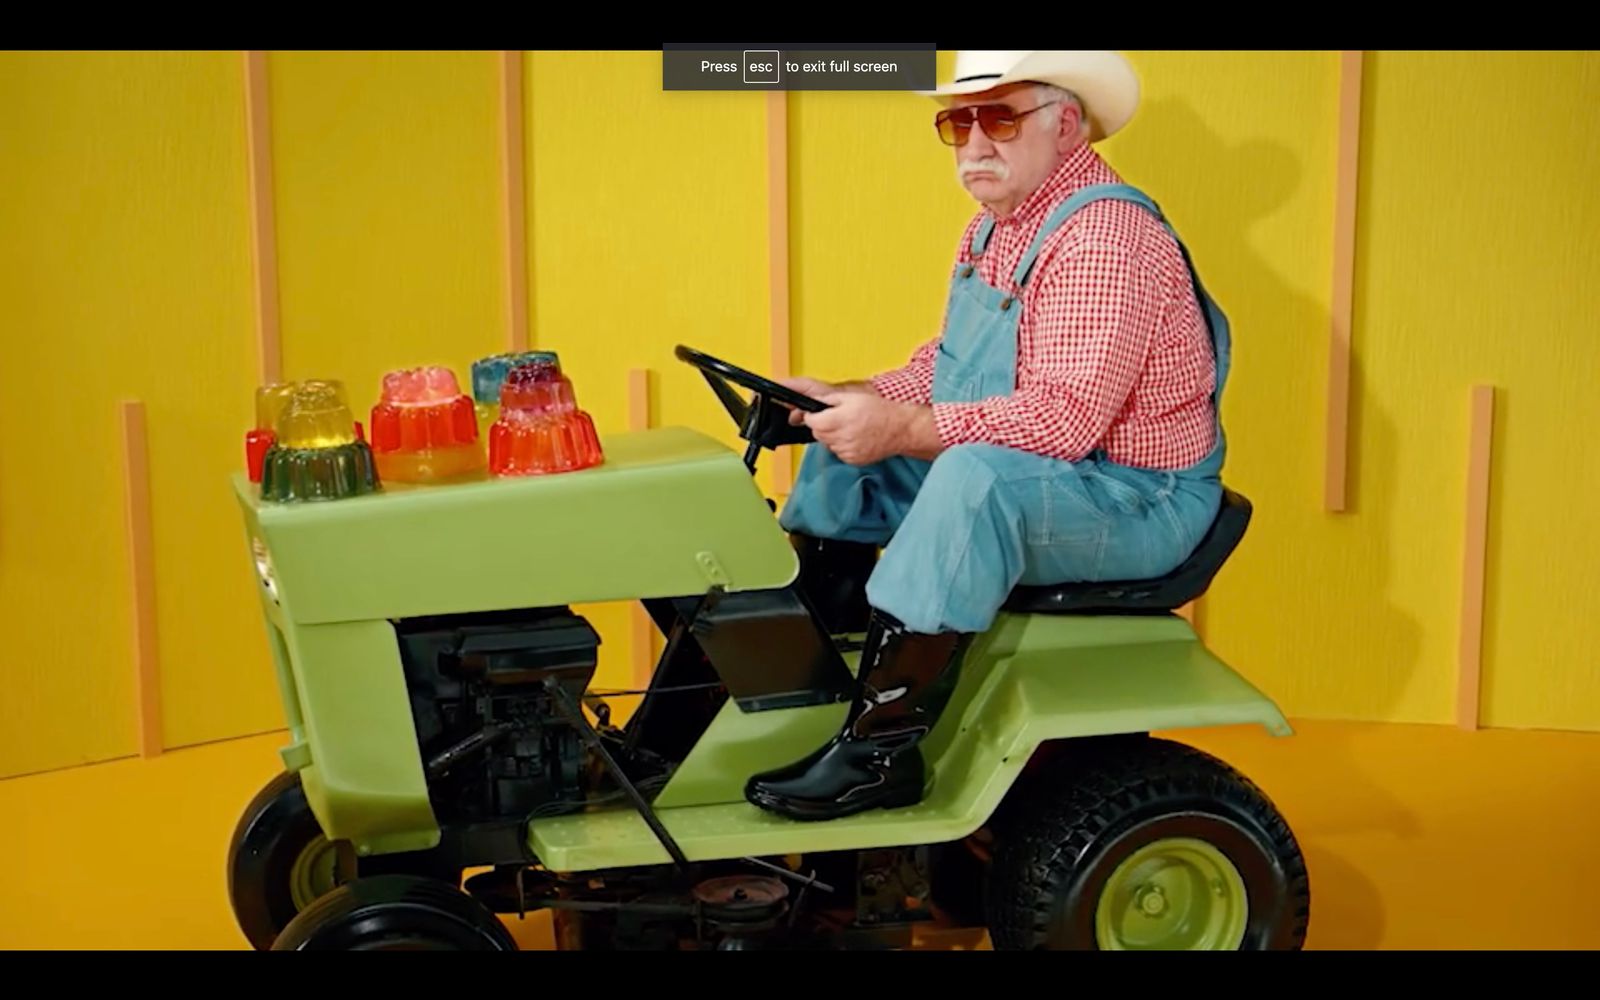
x=1063, y=427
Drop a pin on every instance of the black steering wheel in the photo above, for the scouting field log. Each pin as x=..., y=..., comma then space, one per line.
x=764, y=420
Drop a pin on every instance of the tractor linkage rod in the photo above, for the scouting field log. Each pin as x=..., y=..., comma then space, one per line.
x=574, y=714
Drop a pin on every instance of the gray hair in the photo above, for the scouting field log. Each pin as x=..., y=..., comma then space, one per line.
x=1052, y=115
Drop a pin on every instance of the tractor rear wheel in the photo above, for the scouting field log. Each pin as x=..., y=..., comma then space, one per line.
x=1146, y=844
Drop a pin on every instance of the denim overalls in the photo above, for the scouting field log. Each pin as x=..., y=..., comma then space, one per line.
x=965, y=529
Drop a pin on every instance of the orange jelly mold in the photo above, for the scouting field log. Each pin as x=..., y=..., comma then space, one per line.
x=540, y=429
x=424, y=428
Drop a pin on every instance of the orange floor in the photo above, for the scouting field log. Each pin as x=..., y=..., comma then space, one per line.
x=1417, y=837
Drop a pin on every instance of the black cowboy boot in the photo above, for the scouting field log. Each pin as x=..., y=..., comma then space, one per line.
x=833, y=575
x=875, y=761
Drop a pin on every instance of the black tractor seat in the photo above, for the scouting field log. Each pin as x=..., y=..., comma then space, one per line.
x=1159, y=596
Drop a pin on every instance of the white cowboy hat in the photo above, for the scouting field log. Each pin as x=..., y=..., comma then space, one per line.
x=1104, y=81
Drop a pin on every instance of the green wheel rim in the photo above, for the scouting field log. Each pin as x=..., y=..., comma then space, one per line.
x=315, y=873
x=1176, y=894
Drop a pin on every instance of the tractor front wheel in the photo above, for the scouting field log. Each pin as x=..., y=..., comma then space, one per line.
x=279, y=862
x=1146, y=844
x=396, y=913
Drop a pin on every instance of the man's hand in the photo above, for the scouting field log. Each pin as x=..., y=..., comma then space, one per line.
x=863, y=427
x=817, y=389
x=807, y=386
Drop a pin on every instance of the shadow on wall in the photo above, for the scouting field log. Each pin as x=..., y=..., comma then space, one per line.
x=1223, y=188
x=1274, y=408
x=1294, y=553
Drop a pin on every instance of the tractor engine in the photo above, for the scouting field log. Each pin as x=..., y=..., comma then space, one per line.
x=495, y=741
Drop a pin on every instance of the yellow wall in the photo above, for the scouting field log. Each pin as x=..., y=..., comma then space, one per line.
x=124, y=273
x=124, y=242
x=1481, y=262
x=1477, y=262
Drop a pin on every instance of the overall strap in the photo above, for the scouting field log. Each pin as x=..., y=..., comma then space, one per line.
x=980, y=239
x=1221, y=338
x=1079, y=199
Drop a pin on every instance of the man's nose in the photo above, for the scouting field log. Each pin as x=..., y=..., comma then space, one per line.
x=979, y=145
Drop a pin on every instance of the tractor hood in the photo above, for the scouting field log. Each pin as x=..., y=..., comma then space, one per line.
x=670, y=513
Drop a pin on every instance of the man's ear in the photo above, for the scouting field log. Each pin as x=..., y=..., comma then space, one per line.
x=1069, y=127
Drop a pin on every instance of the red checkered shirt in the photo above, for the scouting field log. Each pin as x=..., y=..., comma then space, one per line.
x=1112, y=348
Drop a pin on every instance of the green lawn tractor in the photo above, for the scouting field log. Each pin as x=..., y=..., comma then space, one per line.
x=449, y=762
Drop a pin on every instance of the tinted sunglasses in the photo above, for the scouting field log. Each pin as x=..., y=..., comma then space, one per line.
x=999, y=122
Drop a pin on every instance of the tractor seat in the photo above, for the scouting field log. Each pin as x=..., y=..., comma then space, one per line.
x=1157, y=596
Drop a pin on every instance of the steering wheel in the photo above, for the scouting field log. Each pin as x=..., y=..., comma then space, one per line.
x=764, y=420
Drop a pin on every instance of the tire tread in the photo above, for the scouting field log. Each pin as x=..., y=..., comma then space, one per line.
x=396, y=893
x=1056, y=824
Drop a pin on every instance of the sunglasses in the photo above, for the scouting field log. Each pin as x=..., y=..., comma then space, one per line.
x=999, y=122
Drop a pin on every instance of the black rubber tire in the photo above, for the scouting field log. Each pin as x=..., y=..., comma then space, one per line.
x=271, y=833
x=274, y=829
x=396, y=913
x=1102, y=799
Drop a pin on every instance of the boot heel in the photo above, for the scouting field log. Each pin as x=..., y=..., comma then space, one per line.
x=903, y=798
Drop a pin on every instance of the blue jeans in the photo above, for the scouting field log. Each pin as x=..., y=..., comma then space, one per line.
x=965, y=529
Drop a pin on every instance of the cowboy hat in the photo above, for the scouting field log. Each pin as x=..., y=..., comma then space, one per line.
x=1104, y=81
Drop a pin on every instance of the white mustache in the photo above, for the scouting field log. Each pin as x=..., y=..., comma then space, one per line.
x=991, y=165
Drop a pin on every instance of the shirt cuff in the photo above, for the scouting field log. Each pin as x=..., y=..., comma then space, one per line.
x=956, y=423
x=900, y=386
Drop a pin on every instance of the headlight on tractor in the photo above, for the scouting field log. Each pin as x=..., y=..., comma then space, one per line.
x=263, y=560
